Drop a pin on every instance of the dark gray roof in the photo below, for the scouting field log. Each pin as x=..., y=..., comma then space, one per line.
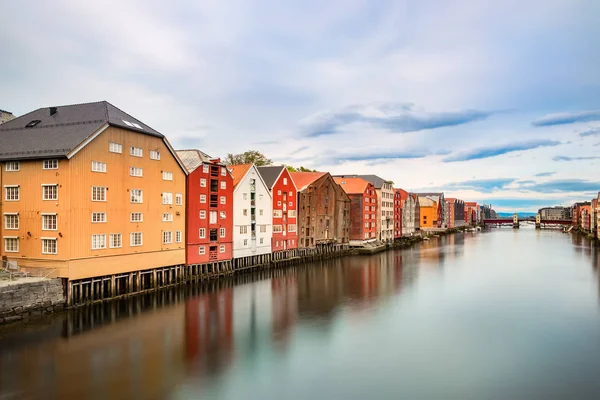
x=270, y=174
x=56, y=135
x=192, y=159
x=374, y=179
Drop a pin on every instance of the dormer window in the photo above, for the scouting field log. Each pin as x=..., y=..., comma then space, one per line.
x=33, y=123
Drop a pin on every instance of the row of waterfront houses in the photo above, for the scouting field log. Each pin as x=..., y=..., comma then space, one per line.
x=90, y=191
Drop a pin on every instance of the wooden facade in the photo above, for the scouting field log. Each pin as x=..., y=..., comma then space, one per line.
x=363, y=209
x=397, y=213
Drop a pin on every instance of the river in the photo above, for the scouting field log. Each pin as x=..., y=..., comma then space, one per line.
x=504, y=314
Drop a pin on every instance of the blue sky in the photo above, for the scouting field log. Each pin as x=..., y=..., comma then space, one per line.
x=490, y=101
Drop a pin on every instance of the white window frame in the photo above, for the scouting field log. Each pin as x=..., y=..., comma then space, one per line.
x=114, y=147
x=223, y=171
x=154, y=155
x=243, y=229
x=104, y=190
x=279, y=193
x=178, y=237
x=134, y=234
x=222, y=248
x=202, y=214
x=277, y=214
x=167, y=197
x=6, y=225
x=222, y=232
x=202, y=233
x=167, y=217
x=167, y=237
x=18, y=192
x=178, y=199
x=136, y=172
x=203, y=198
x=16, y=166
x=263, y=229
x=136, y=213
x=112, y=238
x=98, y=220
x=133, y=151
x=223, y=200
x=44, y=221
x=50, y=164
x=99, y=241
x=291, y=228
x=202, y=182
x=285, y=181
x=48, y=240
x=6, y=246
x=205, y=168
x=133, y=193
x=223, y=185
x=167, y=176
x=201, y=250
x=48, y=185
x=222, y=215
x=98, y=166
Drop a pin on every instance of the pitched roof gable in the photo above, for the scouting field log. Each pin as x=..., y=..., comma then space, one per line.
x=238, y=172
x=303, y=179
x=270, y=174
x=193, y=158
x=352, y=185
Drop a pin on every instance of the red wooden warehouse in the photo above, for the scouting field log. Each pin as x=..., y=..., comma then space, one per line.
x=209, y=207
x=285, y=195
x=363, y=209
x=398, y=213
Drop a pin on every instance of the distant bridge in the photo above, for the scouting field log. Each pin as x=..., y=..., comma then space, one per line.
x=515, y=222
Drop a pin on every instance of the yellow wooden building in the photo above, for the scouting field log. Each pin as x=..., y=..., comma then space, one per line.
x=88, y=191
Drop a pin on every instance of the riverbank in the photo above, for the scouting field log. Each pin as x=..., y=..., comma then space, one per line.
x=34, y=299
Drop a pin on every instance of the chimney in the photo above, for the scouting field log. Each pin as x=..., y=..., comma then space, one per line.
x=53, y=111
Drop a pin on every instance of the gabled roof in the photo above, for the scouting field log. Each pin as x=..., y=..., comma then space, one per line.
x=374, y=179
x=352, y=185
x=238, y=172
x=65, y=131
x=425, y=201
x=403, y=194
x=270, y=174
x=303, y=179
x=192, y=159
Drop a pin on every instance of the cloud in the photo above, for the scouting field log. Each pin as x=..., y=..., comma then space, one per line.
x=545, y=174
x=493, y=151
x=567, y=158
x=590, y=132
x=523, y=203
x=566, y=185
x=567, y=118
x=480, y=185
x=395, y=117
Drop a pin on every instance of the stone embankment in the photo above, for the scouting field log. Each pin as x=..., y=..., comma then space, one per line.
x=30, y=297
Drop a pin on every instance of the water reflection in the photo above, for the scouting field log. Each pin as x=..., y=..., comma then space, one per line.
x=221, y=338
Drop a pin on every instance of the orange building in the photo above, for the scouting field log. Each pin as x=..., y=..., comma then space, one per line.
x=428, y=209
x=88, y=191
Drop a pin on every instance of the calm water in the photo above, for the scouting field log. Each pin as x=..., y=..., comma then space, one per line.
x=499, y=315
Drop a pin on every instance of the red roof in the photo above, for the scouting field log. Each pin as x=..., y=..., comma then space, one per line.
x=403, y=194
x=303, y=179
x=471, y=203
x=352, y=185
x=238, y=172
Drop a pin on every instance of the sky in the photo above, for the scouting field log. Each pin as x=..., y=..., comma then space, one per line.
x=489, y=101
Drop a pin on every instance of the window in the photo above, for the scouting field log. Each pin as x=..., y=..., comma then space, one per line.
x=223, y=215
x=223, y=199
x=115, y=147
x=213, y=217
x=177, y=236
x=12, y=166
x=245, y=196
x=136, y=152
x=202, y=198
x=201, y=250
x=279, y=203
x=366, y=208
x=178, y=199
x=263, y=229
x=366, y=224
x=290, y=194
x=202, y=214
x=116, y=241
x=135, y=239
x=133, y=171
x=98, y=166
x=222, y=232
x=223, y=171
x=277, y=228
x=49, y=246
x=292, y=228
x=136, y=217
x=292, y=213
x=50, y=164
x=279, y=193
x=136, y=196
x=245, y=212
x=167, y=237
x=366, y=235
x=261, y=241
x=285, y=181
x=213, y=235
x=366, y=216
x=11, y=221
x=167, y=176
x=245, y=242
x=167, y=217
x=202, y=182
x=98, y=242
x=11, y=193
x=244, y=229
x=98, y=217
x=98, y=193
x=205, y=168
x=223, y=185
x=49, y=222
x=11, y=244
x=154, y=155
x=49, y=192
x=202, y=233
x=277, y=213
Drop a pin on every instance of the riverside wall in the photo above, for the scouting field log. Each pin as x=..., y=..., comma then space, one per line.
x=30, y=297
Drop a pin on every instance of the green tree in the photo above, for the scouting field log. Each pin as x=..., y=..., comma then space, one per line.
x=251, y=156
x=299, y=169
